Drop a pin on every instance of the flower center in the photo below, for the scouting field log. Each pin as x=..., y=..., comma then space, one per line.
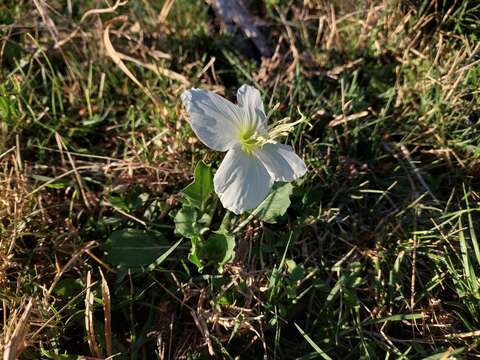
x=249, y=140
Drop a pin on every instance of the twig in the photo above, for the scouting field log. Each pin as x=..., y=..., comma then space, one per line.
x=40, y=5
x=107, y=314
x=92, y=342
x=67, y=266
x=102, y=11
x=16, y=343
x=202, y=326
x=75, y=171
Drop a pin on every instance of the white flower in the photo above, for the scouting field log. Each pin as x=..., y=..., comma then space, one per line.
x=254, y=159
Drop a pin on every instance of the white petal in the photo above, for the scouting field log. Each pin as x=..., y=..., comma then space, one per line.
x=241, y=181
x=249, y=98
x=281, y=162
x=215, y=120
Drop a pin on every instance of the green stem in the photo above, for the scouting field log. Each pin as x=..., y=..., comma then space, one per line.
x=247, y=220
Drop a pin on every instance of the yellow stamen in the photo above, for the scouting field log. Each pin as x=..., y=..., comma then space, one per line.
x=251, y=140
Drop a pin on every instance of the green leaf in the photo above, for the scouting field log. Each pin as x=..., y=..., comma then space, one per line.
x=275, y=204
x=53, y=183
x=447, y=354
x=129, y=202
x=319, y=351
x=217, y=250
x=197, y=192
x=164, y=256
x=296, y=272
x=194, y=254
x=118, y=202
x=397, y=317
x=52, y=355
x=134, y=247
x=195, y=260
x=188, y=222
x=68, y=288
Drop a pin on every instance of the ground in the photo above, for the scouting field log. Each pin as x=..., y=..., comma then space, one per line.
x=376, y=255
